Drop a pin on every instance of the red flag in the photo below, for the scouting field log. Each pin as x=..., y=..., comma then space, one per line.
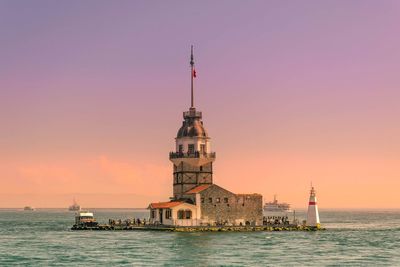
x=194, y=73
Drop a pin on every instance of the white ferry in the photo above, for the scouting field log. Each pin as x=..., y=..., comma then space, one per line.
x=275, y=206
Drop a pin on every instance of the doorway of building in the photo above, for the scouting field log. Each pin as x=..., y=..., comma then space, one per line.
x=161, y=216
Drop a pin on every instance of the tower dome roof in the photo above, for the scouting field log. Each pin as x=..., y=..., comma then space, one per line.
x=192, y=125
x=195, y=130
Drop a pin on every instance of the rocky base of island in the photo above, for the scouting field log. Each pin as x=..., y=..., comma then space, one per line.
x=199, y=228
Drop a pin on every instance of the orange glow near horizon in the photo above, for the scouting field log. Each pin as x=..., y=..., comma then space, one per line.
x=103, y=182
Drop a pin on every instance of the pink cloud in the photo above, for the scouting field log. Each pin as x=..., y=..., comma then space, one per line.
x=99, y=176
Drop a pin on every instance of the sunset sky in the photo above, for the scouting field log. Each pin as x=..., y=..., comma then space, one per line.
x=92, y=95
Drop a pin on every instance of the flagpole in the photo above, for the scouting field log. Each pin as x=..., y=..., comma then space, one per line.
x=191, y=75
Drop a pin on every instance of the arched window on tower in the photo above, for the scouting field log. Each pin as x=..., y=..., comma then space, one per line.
x=190, y=148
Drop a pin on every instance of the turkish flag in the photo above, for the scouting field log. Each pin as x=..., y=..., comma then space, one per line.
x=194, y=73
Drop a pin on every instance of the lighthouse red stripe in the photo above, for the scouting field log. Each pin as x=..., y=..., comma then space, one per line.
x=312, y=203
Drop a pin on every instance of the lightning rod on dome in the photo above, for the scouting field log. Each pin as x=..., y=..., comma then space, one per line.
x=192, y=75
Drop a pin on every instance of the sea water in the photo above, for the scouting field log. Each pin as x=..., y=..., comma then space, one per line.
x=44, y=238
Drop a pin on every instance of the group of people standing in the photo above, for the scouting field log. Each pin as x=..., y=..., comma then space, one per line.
x=128, y=222
x=275, y=220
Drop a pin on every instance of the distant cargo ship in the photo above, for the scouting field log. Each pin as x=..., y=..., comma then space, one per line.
x=275, y=206
x=74, y=207
x=29, y=208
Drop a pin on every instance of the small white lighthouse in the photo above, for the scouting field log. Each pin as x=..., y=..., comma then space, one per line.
x=312, y=214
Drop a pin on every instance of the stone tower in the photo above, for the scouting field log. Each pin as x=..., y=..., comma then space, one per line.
x=192, y=158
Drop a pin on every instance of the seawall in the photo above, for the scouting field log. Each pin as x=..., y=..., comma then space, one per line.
x=199, y=228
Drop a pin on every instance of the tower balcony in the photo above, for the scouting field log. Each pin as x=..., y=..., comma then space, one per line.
x=192, y=113
x=197, y=154
x=195, y=159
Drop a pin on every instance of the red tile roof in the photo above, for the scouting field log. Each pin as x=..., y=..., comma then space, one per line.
x=164, y=205
x=198, y=189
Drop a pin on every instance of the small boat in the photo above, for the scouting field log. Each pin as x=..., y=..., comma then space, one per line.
x=74, y=207
x=275, y=206
x=29, y=208
x=85, y=219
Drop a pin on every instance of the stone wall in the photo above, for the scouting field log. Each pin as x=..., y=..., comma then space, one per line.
x=218, y=205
